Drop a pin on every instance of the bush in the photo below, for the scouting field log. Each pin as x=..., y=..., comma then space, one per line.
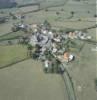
x=95, y=15
x=57, y=13
x=96, y=84
x=46, y=9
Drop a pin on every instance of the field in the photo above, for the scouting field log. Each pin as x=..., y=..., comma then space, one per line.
x=27, y=79
x=12, y=35
x=10, y=54
x=85, y=69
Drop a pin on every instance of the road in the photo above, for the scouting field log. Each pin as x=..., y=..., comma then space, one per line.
x=69, y=86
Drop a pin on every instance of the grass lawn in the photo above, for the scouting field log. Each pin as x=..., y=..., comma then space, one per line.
x=9, y=54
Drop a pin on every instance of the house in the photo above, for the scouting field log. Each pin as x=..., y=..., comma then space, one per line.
x=68, y=57
x=72, y=35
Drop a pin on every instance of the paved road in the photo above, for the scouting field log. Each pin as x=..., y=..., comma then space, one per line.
x=26, y=81
x=68, y=83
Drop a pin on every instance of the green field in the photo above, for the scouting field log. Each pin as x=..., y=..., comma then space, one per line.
x=13, y=35
x=27, y=81
x=10, y=54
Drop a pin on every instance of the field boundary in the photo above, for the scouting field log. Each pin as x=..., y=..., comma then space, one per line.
x=13, y=63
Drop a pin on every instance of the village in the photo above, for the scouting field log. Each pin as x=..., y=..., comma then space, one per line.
x=50, y=44
x=48, y=50
x=45, y=43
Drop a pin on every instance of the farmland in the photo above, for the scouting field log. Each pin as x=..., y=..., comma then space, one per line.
x=12, y=54
x=26, y=80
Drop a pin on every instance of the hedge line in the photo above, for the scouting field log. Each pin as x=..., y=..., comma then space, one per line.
x=11, y=35
x=9, y=65
x=13, y=38
x=5, y=34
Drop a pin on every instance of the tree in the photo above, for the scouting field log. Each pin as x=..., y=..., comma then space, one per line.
x=72, y=13
x=62, y=9
x=95, y=15
x=61, y=30
x=29, y=48
x=47, y=24
x=96, y=84
x=46, y=10
x=57, y=13
x=12, y=15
